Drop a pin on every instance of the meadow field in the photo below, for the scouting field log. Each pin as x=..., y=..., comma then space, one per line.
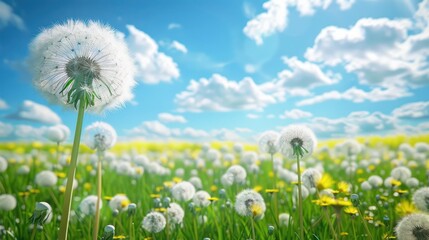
x=353, y=189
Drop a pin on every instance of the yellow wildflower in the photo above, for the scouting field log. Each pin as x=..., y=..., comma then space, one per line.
x=405, y=208
x=325, y=182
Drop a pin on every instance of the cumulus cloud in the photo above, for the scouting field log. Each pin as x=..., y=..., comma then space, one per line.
x=3, y=104
x=303, y=76
x=5, y=129
x=27, y=132
x=218, y=93
x=412, y=110
x=252, y=116
x=168, y=117
x=380, y=51
x=357, y=95
x=356, y=123
x=295, y=114
x=8, y=17
x=152, y=128
x=35, y=112
x=275, y=17
x=178, y=46
x=152, y=66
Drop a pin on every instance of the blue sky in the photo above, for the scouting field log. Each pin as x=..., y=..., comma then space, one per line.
x=229, y=70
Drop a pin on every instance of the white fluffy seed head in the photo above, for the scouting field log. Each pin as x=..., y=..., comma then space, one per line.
x=46, y=179
x=296, y=134
x=89, y=204
x=246, y=200
x=100, y=136
x=310, y=177
x=92, y=54
x=7, y=202
x=413, y=227
x=201, y=199
x=183, y=191
x=3, y=164
x=119, y=202
x=284, y=219
x=421, y=199
x=175, y=214
x=58, y=133
x=154, y=222
x=401, y=173
x=375, y=181
x=268, y=142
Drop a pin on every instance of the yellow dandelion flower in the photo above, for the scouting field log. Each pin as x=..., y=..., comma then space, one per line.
x=34, y=190
x=395, y=183
x=351, y=210
x=213, y=199
x=405, y=208
x=325, y=182
x=119, y=237
x=159, y=188
x=359, y=171
x=88, y=168
x=171, y=165
x=177, y=179
x=256, y=210
x=324, y=201
x=387, y=236
x=272, y=190
x=271, y=174
x=125, y=203
x=344, y=233
x=160, y=209
x=281, y=184
x=258, y=188
x=24, y=194
x=87, y=186
x=401, y=191
x=168, y=184
x=108, y=198
x=60, y=174
x=342, y=203
x=62, y=189
x=155, y=196
x=343, y=187
x=213, y=188
x=371, y=167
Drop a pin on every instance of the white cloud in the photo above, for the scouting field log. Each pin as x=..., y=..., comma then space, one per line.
x=252, y=116
x=195, y=133
x=7, y=16
x=27, y=132
x=243, y=130
x=275, y=18
x=356, y=123
x=249, y=10
x=152, y=66
x=167, y=118
x=250, y=68
x=152, y=128
x=217, y=93
x=379, y=51
x=357, y=95
x=35, y=112
x=3, y=104
x=304, y=75
x=295, y=114
x=412, y=110
x=422, y=14
x=345, y=4
x=178, y=46
x=5, y=129
x=174, y=26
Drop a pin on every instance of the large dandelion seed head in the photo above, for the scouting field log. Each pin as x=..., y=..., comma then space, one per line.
x=77, y=59
x=46, y=178
x=119, y=202
x=250, y=203
x=154, y=222
x=413, y=227
x=421, y=199
x=3, y=164
x=201, y=199
x=268, y=142
x=235, y=174
x=183, y=191
x=100, y=136
x=58, y=133
x=401, y=173
x=297, y=141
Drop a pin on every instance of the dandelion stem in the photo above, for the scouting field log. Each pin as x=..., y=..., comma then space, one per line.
x=54, y=198
x=33, y=232
x=72, y=171
x=253, y=228
x=97, y=208
x=300, y=215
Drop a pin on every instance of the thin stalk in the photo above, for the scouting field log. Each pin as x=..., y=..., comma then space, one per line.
x=65, y=215
x=33, y=232
x=97, y=208
x=331, y=227
x=365, y=225
x=253, y=228
x=54, y=198
x=300, y=214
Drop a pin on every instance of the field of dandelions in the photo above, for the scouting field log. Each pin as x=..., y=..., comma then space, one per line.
x=285, y=186
x=199, y=191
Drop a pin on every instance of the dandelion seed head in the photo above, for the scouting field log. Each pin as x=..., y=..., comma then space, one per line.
x=421, y=199
x=154, y=222
x=100, y=136
x=175, y=214
x=119, y=202
x=268, y=142
x=296, y=136
x=284, y=219
x=247, y=201
x=88, y=205
x=413, y=227
x=58, y=133
x=71, y=58
x=46, y=178
x=201, y=199
x=7, y=202
x=235, y=174
x=401, y=173
x=3, y=164
x=183, y=191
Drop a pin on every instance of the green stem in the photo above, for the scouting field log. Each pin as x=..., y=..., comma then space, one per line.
x=300, y=215
x=33, y=232
x=253, y=228
x=64, y=225
x=97, y=208
x=365, y=225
